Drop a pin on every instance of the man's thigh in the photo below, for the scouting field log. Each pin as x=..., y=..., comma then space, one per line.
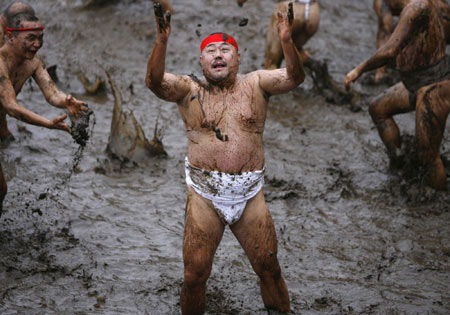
x=203, y=230
x=395, y=100
x=433, y=107
x=255, y=231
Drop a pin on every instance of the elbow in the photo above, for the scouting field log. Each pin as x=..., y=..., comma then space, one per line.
x=298, y=77
x=152, y=84
x=301, y=78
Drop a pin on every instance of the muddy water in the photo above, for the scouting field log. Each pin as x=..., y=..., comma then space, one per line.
x=353, y=237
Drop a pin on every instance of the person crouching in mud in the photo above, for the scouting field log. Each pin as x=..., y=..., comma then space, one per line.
x=18, y=62
x=224, y=115
x=417, y=45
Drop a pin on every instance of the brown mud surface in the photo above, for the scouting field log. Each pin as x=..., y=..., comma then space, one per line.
x=353, y=237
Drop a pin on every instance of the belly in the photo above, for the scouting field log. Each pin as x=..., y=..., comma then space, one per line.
x=243, y=152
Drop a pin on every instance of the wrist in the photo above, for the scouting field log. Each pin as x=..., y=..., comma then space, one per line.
x=162, y=40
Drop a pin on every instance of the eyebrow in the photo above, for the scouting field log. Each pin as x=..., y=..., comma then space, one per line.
x=220, y=44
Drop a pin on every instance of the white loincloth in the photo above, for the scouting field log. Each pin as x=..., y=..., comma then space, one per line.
x=306, y=3
x=229, y=193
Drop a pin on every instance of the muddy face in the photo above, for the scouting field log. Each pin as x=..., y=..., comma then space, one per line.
x=219, y=62
x=28, y=43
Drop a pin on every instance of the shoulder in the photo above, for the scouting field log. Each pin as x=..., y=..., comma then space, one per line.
x=251, y=77
x=38, y=61
x=3, y=64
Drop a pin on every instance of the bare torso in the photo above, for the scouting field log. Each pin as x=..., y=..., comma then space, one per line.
x=238, y=114
x=426, y=43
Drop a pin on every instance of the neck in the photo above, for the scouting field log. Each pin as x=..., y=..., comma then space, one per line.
x=227, y=83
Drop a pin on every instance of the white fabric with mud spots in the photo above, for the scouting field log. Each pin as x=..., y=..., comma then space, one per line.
x=306, y=3
x=229, y=193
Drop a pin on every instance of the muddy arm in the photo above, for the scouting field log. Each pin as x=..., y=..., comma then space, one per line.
x=54, y=96
x=283, y=80
x=166, y=86
x=392, y=47
x=9, y=102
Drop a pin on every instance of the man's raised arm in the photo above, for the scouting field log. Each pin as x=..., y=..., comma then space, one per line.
x=166, y=86
x=283, y=80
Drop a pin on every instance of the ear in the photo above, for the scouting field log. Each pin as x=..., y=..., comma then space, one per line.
x=9, y=36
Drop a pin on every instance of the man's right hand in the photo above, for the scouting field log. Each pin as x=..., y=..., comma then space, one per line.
x=58, y=123
x=350, y=77
x=162, y=21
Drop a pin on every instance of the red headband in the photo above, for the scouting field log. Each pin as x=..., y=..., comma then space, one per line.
x=218, y=37
x=23, y=29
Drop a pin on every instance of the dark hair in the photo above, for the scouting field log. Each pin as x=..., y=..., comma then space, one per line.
x=17, y=8
x=16, y=20
x=224, y=35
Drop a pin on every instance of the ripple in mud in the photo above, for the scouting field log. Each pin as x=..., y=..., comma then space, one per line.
x=280, y=189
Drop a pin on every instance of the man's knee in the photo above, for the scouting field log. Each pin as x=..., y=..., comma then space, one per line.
x=196, y=273
x=267, y=266
x=375, y=110
x=197, y=266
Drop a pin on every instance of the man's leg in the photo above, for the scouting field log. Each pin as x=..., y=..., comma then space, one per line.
x=3, y=189
x=433, y=106
x=394, y=101
x=255, y=232
x=274, y=52
x=203, y=232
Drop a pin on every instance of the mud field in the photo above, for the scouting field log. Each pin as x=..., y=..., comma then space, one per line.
x=106, y=238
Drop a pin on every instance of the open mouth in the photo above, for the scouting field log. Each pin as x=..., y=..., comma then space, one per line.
x=219, y=65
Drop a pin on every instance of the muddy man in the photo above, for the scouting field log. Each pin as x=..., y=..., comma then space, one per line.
x=18, y=62
x=417, y=47
x=224, y=115
x=386, y=14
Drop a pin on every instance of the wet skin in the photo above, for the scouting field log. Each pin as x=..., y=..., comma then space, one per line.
x=418, y=41
x=224, y=115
